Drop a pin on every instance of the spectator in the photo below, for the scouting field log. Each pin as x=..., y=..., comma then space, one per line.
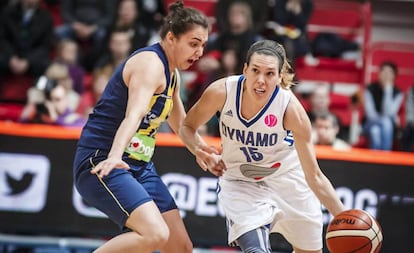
x=35, y=111
x=58, y=106
x=259, y=9
x=87, y=22
x=129, y=18
x=232, y=43
x=225, y=54
x=320, y=100
x=67, y=54
x=119, y=47
x=407, y=140
x=320, y=103
x=382, y=102
x=26, y=35
x=60, y=72
x=48, y=103
x=89, y=99
x=239, y=35
x=326, y=128
x=290, y=20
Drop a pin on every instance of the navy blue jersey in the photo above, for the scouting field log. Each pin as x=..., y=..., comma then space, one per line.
x=112, y=194
x=103, y=122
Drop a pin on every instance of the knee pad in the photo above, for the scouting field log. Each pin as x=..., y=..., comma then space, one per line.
x=255, y=241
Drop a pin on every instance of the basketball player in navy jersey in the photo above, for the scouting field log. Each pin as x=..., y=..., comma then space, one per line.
x=269, y=178
x=112, y=168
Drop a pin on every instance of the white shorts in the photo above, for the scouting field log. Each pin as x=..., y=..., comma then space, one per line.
x=285, y=202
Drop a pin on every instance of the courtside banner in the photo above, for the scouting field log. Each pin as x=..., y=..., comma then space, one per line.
x=37, y=196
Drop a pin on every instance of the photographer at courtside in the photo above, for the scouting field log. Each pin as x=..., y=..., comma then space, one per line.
x=48, y=103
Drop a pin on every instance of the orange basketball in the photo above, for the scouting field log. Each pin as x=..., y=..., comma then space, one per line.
x=354, y=231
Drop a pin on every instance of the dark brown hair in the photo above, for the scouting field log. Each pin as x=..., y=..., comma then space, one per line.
x=390, y=64
x=272, y=48
x=181, y=19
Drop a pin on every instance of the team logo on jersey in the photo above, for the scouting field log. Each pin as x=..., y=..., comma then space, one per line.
x=141, y=147
x=258, y=172
x=24, y=179
x=229, y=113
x=270, y=120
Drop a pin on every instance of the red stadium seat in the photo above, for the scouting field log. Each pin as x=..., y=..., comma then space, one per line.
x=350, y=20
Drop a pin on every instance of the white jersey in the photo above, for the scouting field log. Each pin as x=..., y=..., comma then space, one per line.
x=264, y=184
x=260, y=147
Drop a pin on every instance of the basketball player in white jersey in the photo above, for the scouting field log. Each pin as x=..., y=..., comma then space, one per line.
x=269, y=178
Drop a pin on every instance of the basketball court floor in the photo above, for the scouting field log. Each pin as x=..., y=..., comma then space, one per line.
x=46, y=244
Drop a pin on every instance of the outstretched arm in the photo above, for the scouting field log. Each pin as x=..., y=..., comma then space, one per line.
x=298, y=122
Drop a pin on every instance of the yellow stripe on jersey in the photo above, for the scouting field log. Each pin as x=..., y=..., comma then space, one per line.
x=159, y=109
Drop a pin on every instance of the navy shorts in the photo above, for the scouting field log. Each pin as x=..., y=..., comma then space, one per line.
x=122, y=191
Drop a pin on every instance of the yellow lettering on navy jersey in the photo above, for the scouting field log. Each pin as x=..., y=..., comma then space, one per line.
x=159, y=109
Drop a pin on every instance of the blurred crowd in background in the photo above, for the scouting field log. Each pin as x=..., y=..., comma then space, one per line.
x=56, y=57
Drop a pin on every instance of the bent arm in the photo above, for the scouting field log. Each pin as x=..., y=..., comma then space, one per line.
x=142, y=82
x=393, y=106
x=210, y=102
x=298, y=122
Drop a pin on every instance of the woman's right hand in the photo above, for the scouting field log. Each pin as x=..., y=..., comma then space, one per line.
x=209, y=159
x=106, y=166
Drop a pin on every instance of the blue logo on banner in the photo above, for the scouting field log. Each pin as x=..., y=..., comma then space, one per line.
x=24, y=179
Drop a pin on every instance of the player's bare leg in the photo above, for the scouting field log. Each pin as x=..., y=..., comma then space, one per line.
x=149, y=232
x=179, y=240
